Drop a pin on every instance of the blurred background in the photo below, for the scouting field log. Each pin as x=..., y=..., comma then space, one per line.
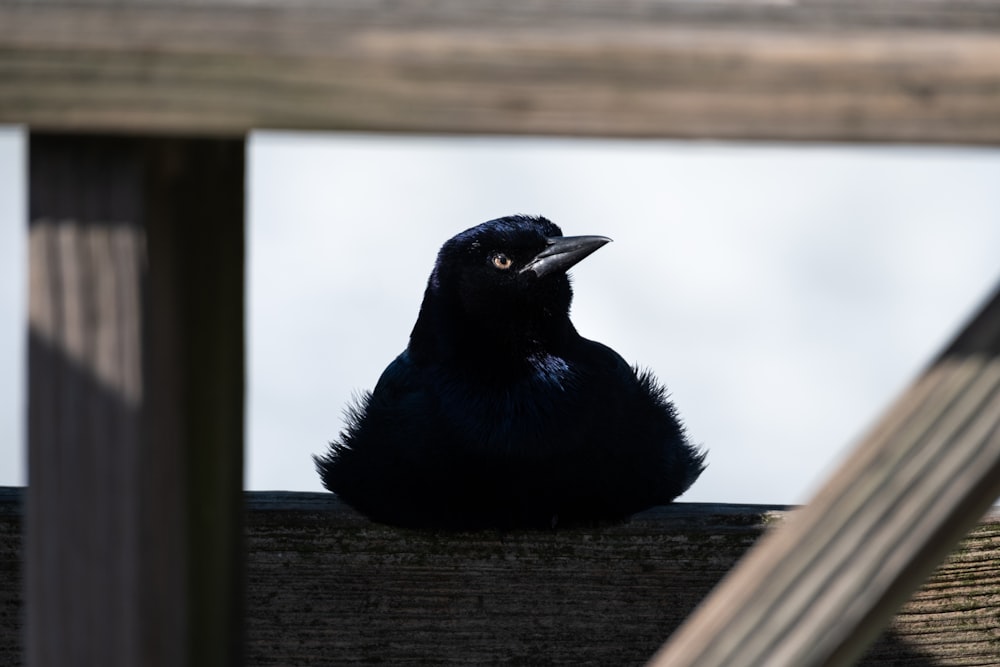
x=784, y=294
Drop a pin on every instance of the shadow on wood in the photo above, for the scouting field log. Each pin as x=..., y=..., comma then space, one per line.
x=135, y=401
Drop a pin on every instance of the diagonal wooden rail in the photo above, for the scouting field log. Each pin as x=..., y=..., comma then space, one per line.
x=819, y=589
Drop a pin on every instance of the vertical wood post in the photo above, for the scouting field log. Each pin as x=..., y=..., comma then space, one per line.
x=135, y=401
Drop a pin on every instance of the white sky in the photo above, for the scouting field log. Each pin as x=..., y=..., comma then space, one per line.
x=784, y=294
x=13, y=312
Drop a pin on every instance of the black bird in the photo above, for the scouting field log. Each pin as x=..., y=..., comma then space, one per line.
x=499, y=414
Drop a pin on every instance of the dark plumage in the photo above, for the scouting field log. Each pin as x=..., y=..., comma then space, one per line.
x=498, y=413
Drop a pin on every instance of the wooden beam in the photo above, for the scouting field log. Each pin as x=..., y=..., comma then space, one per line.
x=817, y=591
x=817, y=70
x=326, y=586
x=135, y=401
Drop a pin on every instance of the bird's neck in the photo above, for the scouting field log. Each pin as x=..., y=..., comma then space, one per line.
x=501, y=345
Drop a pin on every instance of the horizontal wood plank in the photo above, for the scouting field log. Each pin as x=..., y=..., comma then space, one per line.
x=326, y=586
x=892, y=71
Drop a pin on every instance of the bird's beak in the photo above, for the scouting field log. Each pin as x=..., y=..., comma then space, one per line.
x=563, y=252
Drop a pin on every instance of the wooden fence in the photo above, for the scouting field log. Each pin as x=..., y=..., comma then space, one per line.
x=138, y=110
x=324, y=586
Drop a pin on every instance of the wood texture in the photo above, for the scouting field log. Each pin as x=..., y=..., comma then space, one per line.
x=85, y=394
x=135, y=401
x=194, y=348
x=817, y=591
x=326, y=587
x=817, y=70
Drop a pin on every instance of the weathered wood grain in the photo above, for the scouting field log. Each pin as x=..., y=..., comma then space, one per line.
x=325, y=587
x=818, y=590
x=340, y=589
x=12, y=556
x=847, y=70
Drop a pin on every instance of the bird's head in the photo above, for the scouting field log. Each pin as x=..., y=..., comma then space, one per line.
x=501, y=283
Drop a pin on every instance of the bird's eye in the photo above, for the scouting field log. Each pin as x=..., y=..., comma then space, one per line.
x=501, y=261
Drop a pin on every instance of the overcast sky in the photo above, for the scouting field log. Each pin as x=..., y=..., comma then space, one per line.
x=784, y=294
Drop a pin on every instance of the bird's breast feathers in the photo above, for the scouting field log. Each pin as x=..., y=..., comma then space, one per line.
x=507, y=411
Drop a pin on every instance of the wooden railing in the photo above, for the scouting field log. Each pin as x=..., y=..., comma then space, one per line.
x=138, y=112
x=325, y=586
x=815, y=70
